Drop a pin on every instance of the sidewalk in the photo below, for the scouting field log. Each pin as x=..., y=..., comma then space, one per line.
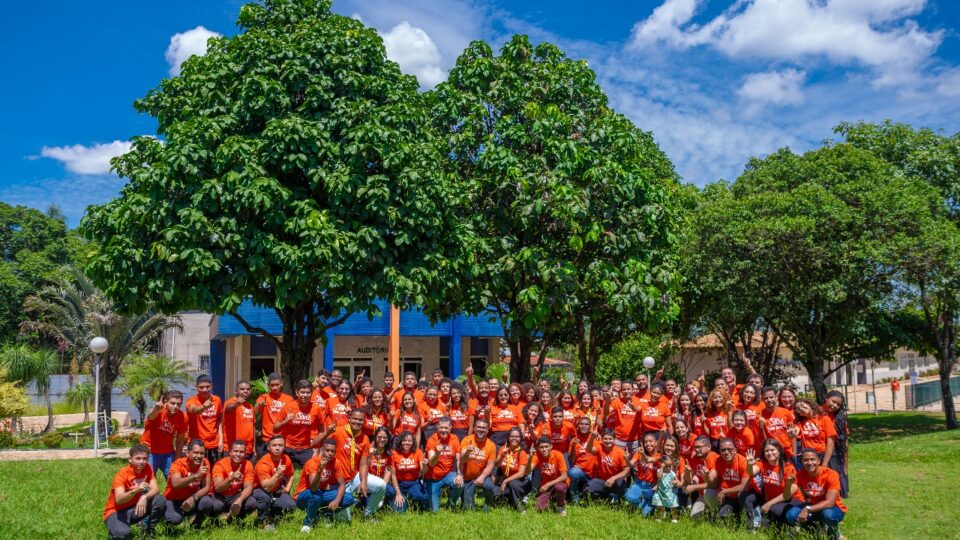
x=47, y=455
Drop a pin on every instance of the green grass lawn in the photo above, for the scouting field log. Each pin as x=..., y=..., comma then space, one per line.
x=904, y=476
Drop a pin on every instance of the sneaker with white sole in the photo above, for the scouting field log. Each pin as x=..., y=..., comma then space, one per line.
x=563, y=511
x=305, y=529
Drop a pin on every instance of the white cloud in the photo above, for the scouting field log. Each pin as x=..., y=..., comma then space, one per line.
x=773, y=87
x=416, y=53
x=82, y=159
x=186, y=44
x=73, y=194
x=874, y=33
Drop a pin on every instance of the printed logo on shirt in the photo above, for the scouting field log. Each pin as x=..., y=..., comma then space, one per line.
x=810, y=429
x=813, y=490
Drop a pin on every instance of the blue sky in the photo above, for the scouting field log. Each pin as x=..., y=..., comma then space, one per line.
x=716, y=81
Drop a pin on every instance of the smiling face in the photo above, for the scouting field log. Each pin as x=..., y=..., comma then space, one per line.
x=343, y=391
x=810, y=461
x=503, y=396
x=408, y=402
x=727, y=451
x=669, y=447
x=196, y=454
x=377, y=399
x=787, y=398
x=238, y=453
x=739, y=421
x=833, y=404
x=608, y=441
x=173, y=405
x=483, y=389
x=443, y=429
x=431, y=395
x=649, y=443
x=243, y=390
x=336, y=377
x=514, y=439
x=480, y=430
x=356, y=421
x=381, y=440
x=586, y=401
x=681, y=428
x=406, y=444
x=303, y=394
x=701, y=448
x=138, y=461
x=748, y=395
x=771, y=453
x=684, y=401
x=770, y=399
x=729, y=376
x=583, y=426
x=203, y=389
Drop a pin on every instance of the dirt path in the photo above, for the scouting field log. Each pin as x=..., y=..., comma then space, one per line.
x=42, y=455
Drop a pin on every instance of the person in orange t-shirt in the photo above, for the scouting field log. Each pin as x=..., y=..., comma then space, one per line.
x=558, y=430
x=409, y=385
x=772, y=470
x=478, y=456
x=820, y=486
x=582, y=457
x=744, y=438
x=233, y=479
x=134, y=495
x=645, y=463
x=774, y=421
x=460, y=412
x=164, y=431
x=270, y=406
x=553, y=476
x=656, y=416
x=322, y=485
x=503, y=417
x=731, y=473
x=339, y=406
x=238, y=420
x=408, y=464
x=443, y=465
x=621, y=413
x=609, y=478
x=274, y=479
x=376, y=413
x=717, y=416
x=699, y=479
x=407, y=418
x=190, y=484
x=353, y=453
x=510, y=479
x=204, y=413
x=431, y=409
x=300, y=424
x=814, y=429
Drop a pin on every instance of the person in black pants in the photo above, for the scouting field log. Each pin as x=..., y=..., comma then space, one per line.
x=509, y=481
x=764, y=500
x=134, y=496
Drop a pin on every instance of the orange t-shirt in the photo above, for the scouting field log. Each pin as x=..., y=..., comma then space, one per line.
x=266, y=466
x=609, y=463
x=185, y=467
x=716, y=426
x=205, y=425
x=478, y=457
x=686, y=445
x=338, y=412
x=654, y=417
x=372, y=422
x=752, y=412
x=407, y=422
x=407, y=466
x=504, y=418
x=238, y=425
x=624, y=419
x=559, y=437
x=775, y=425
x=644, y=470
x=460, y=416
x=128, y=478
x=447, y=450
x=582, y=456
x=743, y=439
x=592, y=413
x=815, y=487
x=158, y=433
x=321, y=395
x=814, y=432
x=271, y=412
x=700, y=468
x=225, y=467
x=377, y=464
x=430, y=414
x=512, y=461
x=772, y=479
x=298, y=433
x=328, y=476
x=350, y=451
x=397, y=401
x=551, y=468
x=731, y=473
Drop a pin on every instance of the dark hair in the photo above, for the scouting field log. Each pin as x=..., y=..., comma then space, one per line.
x=840, y=423
x=373, y=440
x=815, y=409
x=275, y=437
x=435, y=371
x=194, y=443
x=239, y=442
x=610, y=432
x=756, y=393
x=768, y=388
x=544, y=440
x=556, y=409
x=444, y=420
x=398, y=440
x=274, y=377
x=776, y=444
x=389, y=374
x=139, y=448
x=409, y=374
x=330, y=441
x=323, y=373
x=303, y=383
x=241, y=381
x=481, y=420
x=204, y=378
x=173, y=394
x=663, y=390
x=703, y=439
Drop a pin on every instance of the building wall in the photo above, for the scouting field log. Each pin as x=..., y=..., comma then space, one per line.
x=190, y=344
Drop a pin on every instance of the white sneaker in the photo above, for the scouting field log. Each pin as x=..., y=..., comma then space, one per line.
x=305, y=529
x=563, y=512
x=673, y=521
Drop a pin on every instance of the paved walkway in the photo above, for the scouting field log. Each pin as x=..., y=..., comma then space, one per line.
x=46, y=455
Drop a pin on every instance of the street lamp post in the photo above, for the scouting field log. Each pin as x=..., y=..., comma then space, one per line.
x=648, y=363
x=98, y=346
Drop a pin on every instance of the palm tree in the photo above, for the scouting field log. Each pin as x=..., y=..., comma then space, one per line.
x=74, y=311
x=33, y=365
x=151, y=375
x=81, y=394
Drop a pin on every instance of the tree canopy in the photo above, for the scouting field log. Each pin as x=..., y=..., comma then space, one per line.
x=294, y=167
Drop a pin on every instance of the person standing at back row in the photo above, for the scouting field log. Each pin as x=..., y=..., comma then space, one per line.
x=204, y=414
x=270, y=406
x=164, y=430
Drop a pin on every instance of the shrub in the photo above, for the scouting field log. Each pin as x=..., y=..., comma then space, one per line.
x=51, y=440
x=7, y=440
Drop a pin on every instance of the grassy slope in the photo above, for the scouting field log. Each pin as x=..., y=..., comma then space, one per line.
x=902, y=481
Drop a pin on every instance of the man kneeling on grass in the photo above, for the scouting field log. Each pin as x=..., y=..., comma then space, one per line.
x=233, y=479
x=322, y=487
x=134, y=497
x=190, y=484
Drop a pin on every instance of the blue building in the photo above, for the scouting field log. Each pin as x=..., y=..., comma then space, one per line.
x=358, y=344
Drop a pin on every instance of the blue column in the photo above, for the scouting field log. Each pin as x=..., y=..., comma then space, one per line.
x=218, y=366
x=328, y=350
x=455, y=347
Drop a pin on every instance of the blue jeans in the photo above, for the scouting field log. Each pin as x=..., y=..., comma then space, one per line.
x=828, y=517
x=640, y=495
x=376, y=490
x=313, y=501
x=161, y=462
x=434, y=487
x=413, y=493
x=578, y=480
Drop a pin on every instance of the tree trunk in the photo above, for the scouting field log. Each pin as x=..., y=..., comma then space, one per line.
x=520, y=359
x=299, y=339
x=817, y=378
x=586, y=369
x=86, y=412
x=947, y=358
x=46, y=399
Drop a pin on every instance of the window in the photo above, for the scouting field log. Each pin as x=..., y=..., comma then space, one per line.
x=203, y=366
x=479, y=364
x=410, y=364
x=261, y=366
x=351, y=367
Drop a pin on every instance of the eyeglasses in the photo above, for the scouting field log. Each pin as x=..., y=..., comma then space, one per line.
x=726, y=449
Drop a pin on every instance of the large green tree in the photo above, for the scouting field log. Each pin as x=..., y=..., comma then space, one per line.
x=28, y=365
x=569, y=200
x=928, y=256
x=814, y=236
x=34, y=246
x=296, y=169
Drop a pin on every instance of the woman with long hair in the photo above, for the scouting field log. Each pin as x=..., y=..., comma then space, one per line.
x=339, y=406
x=685, y=438
x=645, y=462
x=503, y=417
x=533, y=420
x=836, y=408
x=569, y=405
x=765, y=500
x=509, y=480
x=718, y=414
x=408, y=464
x=375, y=413
x=588, y=410
x=460, y=413
x=515, y=391
x=379, y=461
x=788, y=397
x=698, y=423
x=529, y=394
x=814, y=429
x=749, y=402
x=669, y=446
x=407, y=418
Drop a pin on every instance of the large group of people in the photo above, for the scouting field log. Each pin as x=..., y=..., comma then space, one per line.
x=724, y=451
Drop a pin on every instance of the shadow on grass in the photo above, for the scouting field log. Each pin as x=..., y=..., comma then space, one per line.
x=867, y=428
